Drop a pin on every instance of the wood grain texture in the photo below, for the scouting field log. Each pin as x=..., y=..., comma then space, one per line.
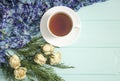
x=91, y=61
x=92, y=78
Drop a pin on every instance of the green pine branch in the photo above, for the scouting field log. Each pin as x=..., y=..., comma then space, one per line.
x=62, y=66
x=27, y=54
x=42, y=73
x=33, y=47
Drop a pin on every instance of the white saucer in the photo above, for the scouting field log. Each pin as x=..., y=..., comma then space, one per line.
x=59, y=41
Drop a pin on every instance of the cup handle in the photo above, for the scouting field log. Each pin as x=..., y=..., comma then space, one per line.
x=77, y=26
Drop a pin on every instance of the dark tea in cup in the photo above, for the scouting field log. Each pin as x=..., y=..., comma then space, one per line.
x=60, y=24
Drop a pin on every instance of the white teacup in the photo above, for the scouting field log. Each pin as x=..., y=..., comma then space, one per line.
x=65, y=39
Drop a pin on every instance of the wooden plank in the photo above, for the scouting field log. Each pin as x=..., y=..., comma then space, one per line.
x=98, y=34
x=108, y=10
x=84, y=78
x=92, y=78
x=90, y=60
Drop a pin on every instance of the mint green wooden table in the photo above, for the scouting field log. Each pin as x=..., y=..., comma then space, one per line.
x=96, y=53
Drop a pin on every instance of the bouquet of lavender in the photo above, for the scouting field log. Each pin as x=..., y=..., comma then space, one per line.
x=19, y=32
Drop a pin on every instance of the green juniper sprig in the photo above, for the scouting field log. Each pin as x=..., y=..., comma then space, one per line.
x=39, y=59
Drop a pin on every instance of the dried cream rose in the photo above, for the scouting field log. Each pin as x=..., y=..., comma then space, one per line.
x=14, y=61
x=40, y=59
x=55, y=58
x=20, y=73
x=48, y=49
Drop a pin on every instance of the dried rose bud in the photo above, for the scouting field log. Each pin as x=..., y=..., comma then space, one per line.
x=20, y=73
x=48, y=49
x=14, y=61
x=55, y=58
x=40, y=59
